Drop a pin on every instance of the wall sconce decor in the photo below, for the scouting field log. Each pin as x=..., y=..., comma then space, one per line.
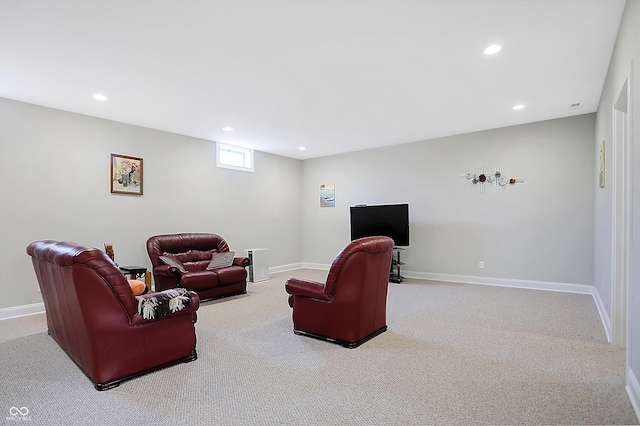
x=496, y=178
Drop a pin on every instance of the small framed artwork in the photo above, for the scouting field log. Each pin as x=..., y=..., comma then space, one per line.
x=126, y=174
x=602, y=165
x=327, y=195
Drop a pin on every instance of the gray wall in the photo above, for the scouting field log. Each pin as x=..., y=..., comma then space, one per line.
x=541, y=230
x=54, y=184
x=54, y=170
x=625, y=63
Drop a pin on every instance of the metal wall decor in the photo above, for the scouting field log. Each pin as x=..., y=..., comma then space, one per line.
x=495, y=178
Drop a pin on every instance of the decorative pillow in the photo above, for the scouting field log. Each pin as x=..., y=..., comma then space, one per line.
x=137, y=286
x=219, y=260
x=166, y=302
x=173, y=262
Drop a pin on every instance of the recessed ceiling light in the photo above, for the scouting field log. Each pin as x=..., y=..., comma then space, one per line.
x=519, y=106
x=228, y=129
x=303, y=148
x=99, y=97
x=494, y=48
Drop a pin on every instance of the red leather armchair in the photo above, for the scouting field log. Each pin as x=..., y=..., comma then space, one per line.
x=351, y=307
x=93, y=315
x=194, y=251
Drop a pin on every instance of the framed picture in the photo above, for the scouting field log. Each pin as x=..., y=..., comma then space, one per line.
x=327, y=195
x=126, y=174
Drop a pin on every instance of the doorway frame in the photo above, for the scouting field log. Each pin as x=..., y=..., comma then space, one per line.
x=622, y=123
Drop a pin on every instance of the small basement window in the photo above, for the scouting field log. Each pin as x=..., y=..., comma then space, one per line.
x=234, y=157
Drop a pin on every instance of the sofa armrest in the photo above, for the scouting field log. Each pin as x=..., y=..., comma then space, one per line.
x=164, y=304
x=167, y=271
x=241, y=261
x=305, y=288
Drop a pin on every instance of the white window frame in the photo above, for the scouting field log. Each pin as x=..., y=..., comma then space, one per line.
x=246, y=153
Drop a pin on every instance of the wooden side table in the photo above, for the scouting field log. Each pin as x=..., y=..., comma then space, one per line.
x=138, y=273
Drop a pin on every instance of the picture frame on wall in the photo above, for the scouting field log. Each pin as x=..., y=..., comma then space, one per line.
x=327, y=195
x=126, y=174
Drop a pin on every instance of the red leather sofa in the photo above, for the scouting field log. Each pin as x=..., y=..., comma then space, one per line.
x=351, y=306
x=93, y=315
x=193, y=252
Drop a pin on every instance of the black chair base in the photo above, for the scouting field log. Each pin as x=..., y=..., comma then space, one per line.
x=116, y=383
x=348, y=345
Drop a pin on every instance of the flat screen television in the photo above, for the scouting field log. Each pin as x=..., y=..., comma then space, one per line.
x=390, y=220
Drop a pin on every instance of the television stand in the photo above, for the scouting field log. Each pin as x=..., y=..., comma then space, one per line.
x=394, y=275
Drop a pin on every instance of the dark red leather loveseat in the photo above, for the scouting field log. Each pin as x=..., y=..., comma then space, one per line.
x=193, y=252
x=93, y=315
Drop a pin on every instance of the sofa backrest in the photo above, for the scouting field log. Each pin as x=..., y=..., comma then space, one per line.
x=186, y=247
x=365, y=262
x=83, y=293
x=63, y=263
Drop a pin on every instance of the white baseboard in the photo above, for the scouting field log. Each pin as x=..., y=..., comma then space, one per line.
x=633, y=390
x=21, y=311
x=285, y=268
x=320, y=266
x=604, y=317
x=502, y=282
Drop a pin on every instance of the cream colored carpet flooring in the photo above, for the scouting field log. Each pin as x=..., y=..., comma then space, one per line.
x=453, y=354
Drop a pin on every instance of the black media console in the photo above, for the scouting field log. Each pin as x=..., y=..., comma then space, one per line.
x=394, y=275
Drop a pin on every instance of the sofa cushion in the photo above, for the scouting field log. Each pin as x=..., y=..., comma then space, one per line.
x=219, y=260
x=199, y=280
x=171, y=261
x=230, y=275
x=166, y=302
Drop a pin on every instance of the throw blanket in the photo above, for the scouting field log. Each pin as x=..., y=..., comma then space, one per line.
x=166, y=302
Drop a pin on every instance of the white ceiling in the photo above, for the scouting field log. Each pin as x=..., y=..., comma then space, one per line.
x=334, y=76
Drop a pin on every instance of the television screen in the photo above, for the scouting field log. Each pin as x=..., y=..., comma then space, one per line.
x=390, y=220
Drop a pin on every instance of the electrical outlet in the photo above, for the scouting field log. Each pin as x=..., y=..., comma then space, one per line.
x=481, y=264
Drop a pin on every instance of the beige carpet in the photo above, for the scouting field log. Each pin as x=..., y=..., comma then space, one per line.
x=453, y=354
